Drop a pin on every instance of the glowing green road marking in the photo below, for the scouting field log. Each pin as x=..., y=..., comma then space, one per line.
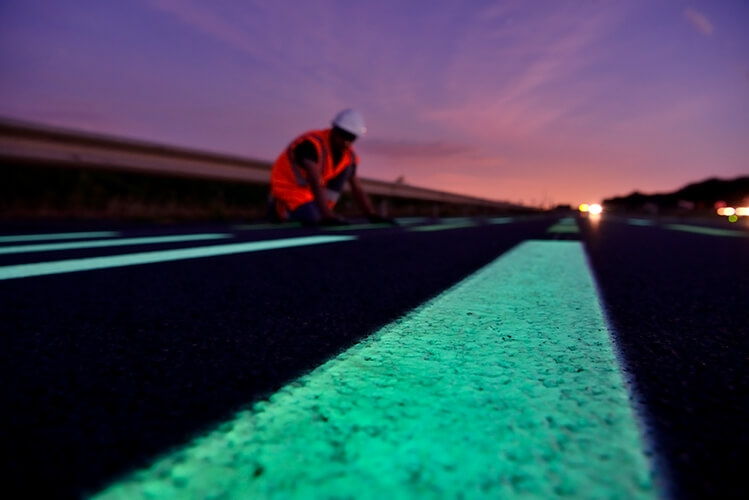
x=249, y=227
x=501, y=220
x=111, y=243
x=412, y=220
x=565, y=225
x=504, y=386
x=57, y=236
x=559, y=228
x=442, y=227
x=354, y=227
x=455, y=220
x=134, y=259
x=640, y=222
x=707, y=230
x=296, y=224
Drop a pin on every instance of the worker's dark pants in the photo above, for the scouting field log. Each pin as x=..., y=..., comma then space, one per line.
x=309, y=213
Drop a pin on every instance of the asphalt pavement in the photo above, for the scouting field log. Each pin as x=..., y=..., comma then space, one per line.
x=109, y=367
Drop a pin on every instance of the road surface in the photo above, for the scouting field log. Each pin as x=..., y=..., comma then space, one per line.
x=534, y=355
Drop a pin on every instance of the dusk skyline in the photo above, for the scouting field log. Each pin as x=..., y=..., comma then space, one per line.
x=543, y=103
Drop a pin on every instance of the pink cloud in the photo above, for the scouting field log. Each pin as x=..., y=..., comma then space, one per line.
x=699, y=21
x=414, y=149
x=210, y=22
x=520, y=86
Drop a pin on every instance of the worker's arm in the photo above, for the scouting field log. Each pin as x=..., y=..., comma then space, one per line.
x=364, y=204
x=321, y=199
x=360, y=196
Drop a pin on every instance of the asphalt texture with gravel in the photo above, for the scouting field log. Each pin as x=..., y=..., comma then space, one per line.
x=109, y=368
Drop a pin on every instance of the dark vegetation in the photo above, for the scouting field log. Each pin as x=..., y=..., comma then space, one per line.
x=699, y=197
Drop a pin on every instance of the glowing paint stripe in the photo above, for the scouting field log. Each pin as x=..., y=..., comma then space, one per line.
x=456, y=220
x=134, y=259
x=640, y=222
x=356, y=227
x=504, y=386
x=351, y=227
x=560, y=228
x=57, y=236
x=405, y=222
x=565, y=225
x=442, y=227
x=501, y=220
x=150, y=240
x=250, y=227
x=460, y=222
x=412, y=220
x=706, y=230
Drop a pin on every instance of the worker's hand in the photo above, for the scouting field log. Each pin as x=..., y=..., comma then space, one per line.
x=379, y=219
x=333, y=220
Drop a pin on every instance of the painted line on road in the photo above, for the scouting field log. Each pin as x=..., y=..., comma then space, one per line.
x=250, y=227
x=378, y=225
x=17, y=238
x=412, y=220
x=352, y=227
x=458, y=220
x=501, y=220
x=133, y=259
x=640, y=222
x=357, y=227
x=459, y=223
x=566, y=225
x=442, y=227
x=504, y=386
x=403, y=221
x=149, y=240
x=707, y=230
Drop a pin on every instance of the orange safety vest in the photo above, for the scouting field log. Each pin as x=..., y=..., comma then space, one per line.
x=289, y=184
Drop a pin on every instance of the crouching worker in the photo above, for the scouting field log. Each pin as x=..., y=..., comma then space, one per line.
x=308, y=177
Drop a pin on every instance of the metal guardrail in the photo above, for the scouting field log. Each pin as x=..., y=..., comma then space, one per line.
x=39, y=144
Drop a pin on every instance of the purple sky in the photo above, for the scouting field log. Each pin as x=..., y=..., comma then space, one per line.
x=555, y=101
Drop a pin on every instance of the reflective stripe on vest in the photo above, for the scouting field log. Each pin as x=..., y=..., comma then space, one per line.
x=289, y=182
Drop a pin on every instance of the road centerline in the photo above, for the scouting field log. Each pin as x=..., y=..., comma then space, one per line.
x=505, y=385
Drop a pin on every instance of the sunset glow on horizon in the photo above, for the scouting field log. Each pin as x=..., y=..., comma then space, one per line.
x=541, y=103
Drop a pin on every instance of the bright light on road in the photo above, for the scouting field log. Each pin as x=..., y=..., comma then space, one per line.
x=595, y=209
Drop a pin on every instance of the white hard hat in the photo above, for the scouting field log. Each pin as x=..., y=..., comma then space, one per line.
x=351, y=121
